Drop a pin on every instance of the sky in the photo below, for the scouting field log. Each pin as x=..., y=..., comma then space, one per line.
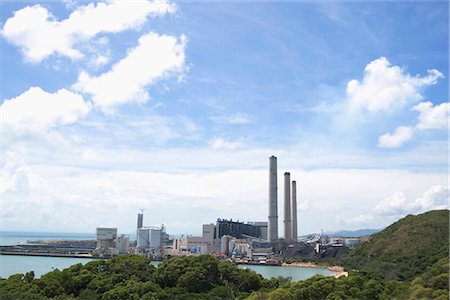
x=110, y=107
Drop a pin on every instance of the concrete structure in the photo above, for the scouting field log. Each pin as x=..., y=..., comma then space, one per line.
x=143, y=238
x=225, y=244
x=151, y=237
x=105, y=237
x=263, y=228
x=140, y=220
x=287, y=207
x=156, y=238
x=122, y=244
x=294, y=211
x=272, y=227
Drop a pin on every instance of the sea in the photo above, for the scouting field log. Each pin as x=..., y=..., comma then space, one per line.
x=15, y=264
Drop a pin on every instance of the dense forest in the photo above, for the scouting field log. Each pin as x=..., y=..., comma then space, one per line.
x=204, y=277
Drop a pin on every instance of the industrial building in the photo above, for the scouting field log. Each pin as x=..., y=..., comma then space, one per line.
x=122, y=244
x=105, y=241
x=211, y=240
x=150, y=237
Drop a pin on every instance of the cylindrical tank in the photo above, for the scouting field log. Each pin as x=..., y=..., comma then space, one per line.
x=143, y=238
x=225, y=244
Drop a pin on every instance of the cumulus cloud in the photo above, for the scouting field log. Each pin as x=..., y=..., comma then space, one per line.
x=398, y=205
x=37, y=109
x=155, y=57
x=400, y=136
x=394, y=205
x=39, y=34
x=385, y=87
x=436, y=197
x=432, y=117
x=220, y=143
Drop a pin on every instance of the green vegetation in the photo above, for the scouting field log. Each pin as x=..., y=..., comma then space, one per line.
x=203, y=277
x=397, y=252
x=405, y=249
x=133, y=277
x=433, y=284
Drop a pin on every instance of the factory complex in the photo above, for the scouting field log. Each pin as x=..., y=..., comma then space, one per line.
x=250, y=242
x=256, y=242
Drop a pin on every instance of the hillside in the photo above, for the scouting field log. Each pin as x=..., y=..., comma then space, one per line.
x=404, y=249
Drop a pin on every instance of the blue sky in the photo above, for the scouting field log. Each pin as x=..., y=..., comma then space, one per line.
x=175, y=107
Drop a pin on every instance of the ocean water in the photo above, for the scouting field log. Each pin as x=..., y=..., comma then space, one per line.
x=296, y=273
x=21, y=237
x=14, y=264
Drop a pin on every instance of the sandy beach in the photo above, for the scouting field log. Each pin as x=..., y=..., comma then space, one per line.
x=338, y=269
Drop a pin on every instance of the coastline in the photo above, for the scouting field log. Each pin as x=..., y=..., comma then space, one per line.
x=337, y=269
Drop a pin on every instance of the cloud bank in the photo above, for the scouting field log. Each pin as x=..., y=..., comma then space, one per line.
x=39, y=34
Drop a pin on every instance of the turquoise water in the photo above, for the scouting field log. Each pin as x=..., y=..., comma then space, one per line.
x=296, y=273
x=13, y=264
x=21, y=237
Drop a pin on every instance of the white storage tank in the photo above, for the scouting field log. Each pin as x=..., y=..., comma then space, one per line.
x=143, y=240
x=122, y=244
x=155, y=238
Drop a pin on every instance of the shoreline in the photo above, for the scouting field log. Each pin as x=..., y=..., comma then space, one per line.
x=337, y=269
x=49, y=254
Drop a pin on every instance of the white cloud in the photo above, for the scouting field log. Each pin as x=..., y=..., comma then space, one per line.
x=396, y=204
x=399, y=205
x=401, y=135
x=39, y=34
x=234, y=119
x=36, y=109
x=436, y=117
x=156, y=57
x=220, y=143
x=436, y=197
x=385, y=87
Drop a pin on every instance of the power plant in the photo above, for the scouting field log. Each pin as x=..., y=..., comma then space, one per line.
x=252, y=242
x=289, y=208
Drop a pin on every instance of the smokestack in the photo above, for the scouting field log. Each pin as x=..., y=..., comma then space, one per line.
x=140, y=221
x=294, y=211
x=272, y=230
x=287, y=207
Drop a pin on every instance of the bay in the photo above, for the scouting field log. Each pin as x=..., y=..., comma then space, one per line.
x=14, y=264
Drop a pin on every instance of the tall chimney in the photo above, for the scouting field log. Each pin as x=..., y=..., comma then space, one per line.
x=294, y=211
x=272, y=230
x=140, y=221
x=287, y=207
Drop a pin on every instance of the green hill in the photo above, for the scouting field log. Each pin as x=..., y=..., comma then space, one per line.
x=405, y=249
x=433, y=284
